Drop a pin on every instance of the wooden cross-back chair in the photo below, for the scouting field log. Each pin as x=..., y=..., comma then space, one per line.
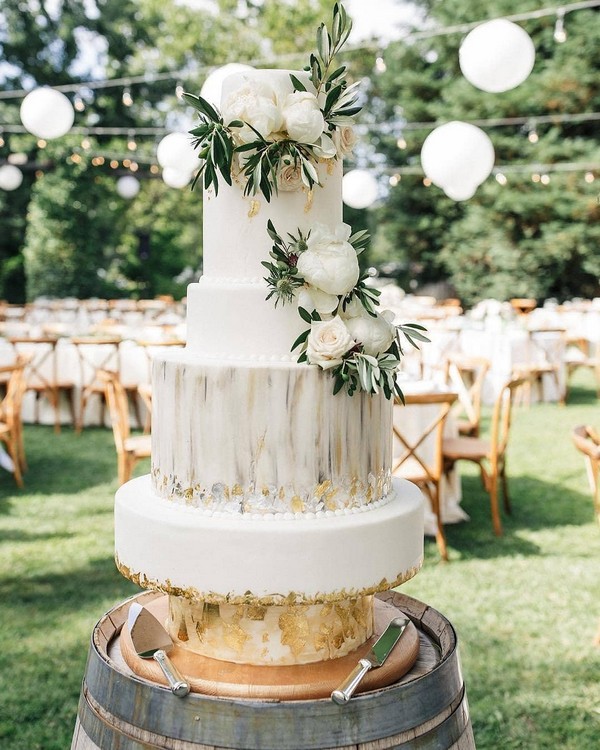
x=489, y=454
x=545, y=358
x=420, y=458
x=582, y=352
x=11, y=428
x=587, y=441
x=130, y=448
x=466, y=376
x=97, y=353
x=41, y=374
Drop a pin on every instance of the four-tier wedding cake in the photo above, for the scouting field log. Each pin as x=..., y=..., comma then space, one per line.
x=270, y=517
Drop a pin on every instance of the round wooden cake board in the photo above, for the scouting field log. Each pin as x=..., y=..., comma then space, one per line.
x=301, y=682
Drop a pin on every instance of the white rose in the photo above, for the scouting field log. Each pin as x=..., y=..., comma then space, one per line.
x=330, y=263
x=376, y=334
x=314, y=299
x=345, y=139
x=328, y=341
x=302, y=117
x=289, y=177
x=256, y=104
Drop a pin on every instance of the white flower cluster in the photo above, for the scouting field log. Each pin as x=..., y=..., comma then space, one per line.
x=329, y=267
x=278, y=114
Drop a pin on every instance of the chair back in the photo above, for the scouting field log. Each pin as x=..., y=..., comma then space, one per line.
x=118, y=407
x=587, y=441
x=466, y=376
x=501, y=420
x=418, y=459
x=10, y=406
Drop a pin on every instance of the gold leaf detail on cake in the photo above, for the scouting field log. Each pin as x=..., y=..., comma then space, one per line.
x=234, y=636
x=309, y=201
x=254, y=208
x=322, y=489
x=323, y=638
x=293, y=597
x=346, y=620
x=295, y=630
x=237, y=490
x=255, y=612
x=182, y=633
x=265, y=638
x=296, y=504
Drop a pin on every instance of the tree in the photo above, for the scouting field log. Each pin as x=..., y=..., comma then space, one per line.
x=521, y=239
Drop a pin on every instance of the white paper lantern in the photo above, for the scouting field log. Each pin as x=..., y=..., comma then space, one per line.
x=175, y=178
x=175, y=151
x=11, y=177
x=460, y=193
x=212, y=87
x=359, y=189
x=458, y=156
x=128, y=187
x=47, y=113
x=496, y=56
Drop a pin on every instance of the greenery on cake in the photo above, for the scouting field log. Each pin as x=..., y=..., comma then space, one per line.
x=273, y=139
x=347, y=335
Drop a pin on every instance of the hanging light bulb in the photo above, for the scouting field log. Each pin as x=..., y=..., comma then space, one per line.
x=395, y=179
x=126, y=98
x=380, y=66
x=532, y=135
x=78, y=103
x=589, y=177
x=560, y=34
x=401, y=142
x=501, y=178
x=131, y=144
x=545, y=179
x=86, y=144
x=42, y=143
x=535, y=177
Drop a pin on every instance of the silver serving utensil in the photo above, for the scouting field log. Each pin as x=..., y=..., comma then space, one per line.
x=375, y=658
x=151, y=641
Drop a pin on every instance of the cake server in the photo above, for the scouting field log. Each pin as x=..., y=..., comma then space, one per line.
x=151, y=641
x=375, y=658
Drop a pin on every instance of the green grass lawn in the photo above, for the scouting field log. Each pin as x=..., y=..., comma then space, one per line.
x=526, y=606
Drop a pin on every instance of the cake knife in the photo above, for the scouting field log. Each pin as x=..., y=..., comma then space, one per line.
x=151, y=641
x=375, y=658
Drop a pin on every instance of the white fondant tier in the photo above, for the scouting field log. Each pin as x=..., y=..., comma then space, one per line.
x=232, y=317
x=272, y=560
x=265, y=437
x=235, y=235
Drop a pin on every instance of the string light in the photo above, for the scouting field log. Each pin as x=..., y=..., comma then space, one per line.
x=78, y=103
x=545, y=179
x=395, y=179
x=127, y=98
x=114, y=163
x=501, y=178
x=536, y=177
x=560, y=34
x=41, y=143
x=86, y=144
x=401, y=143
x=380, y=66
x=154, y=168
x=589, y=177
x=427, y=182
x=131, y=143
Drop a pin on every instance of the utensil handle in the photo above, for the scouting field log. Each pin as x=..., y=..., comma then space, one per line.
x=178, y=685
x=342, y=695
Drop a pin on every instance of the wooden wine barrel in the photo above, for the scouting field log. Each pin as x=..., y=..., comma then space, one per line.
x=426, y=709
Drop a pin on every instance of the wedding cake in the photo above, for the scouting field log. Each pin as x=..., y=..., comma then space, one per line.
x=270, y=516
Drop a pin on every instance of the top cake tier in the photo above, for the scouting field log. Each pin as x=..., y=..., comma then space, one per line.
x=235, y=237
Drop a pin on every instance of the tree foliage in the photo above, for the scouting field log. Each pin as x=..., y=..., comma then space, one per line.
x=521, y=239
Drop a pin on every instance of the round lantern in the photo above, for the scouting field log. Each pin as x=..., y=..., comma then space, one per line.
x=11, y=177
x=211, y=89
x=496, y=56
x=47, y=113
x=461, y=193
x=175, y=151
x=359, y=189
x=128, y=187
x=175, y=178
x=459, y=156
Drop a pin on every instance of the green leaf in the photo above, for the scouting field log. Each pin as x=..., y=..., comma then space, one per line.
x=301, y=339
x=305, y=315
x=297, y=83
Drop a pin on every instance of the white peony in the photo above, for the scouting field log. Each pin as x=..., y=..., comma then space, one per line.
x=314, y=299
x=327, y=343
x=330, y=263
x=376, y=334
x=302, y=117
x=256, y=104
